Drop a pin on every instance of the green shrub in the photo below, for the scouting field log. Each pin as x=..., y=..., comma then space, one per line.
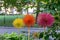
x=13, y=36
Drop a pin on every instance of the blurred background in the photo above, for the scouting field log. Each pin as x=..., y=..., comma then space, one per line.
x=12, y=9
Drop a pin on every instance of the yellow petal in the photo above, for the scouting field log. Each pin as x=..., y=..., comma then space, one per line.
x=18, y=23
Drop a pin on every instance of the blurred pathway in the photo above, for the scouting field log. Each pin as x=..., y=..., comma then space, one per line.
x=11, y=29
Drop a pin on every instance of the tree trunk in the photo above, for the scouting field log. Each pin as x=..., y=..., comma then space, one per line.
x=27, y=9
x=38, y=10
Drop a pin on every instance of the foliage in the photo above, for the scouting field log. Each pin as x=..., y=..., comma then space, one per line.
x=13, y=36
x=9, y=2
x=50, y=6
x=51, y=33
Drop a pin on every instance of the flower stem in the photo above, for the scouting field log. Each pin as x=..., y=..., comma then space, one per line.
x=28, y=33
x=19, y=33
x=44, y=34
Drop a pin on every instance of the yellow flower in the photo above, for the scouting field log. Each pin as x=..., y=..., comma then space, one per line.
x=18, y=23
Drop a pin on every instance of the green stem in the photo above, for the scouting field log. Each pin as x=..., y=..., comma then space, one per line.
x=19, y=33
x=44, y=34
x=38, y=36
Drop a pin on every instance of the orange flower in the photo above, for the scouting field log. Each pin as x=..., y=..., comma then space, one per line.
x=29, y=20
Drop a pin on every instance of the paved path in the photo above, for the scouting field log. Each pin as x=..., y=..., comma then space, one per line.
x=11, y=29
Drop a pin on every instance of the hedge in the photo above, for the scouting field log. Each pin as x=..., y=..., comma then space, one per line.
x=6, y=20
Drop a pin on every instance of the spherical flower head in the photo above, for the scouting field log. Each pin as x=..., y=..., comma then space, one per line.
x=45, y=19
x=29, y=20
x=18, y=23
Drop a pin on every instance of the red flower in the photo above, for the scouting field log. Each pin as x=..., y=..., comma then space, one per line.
x=29, y=20
x=45, y=19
